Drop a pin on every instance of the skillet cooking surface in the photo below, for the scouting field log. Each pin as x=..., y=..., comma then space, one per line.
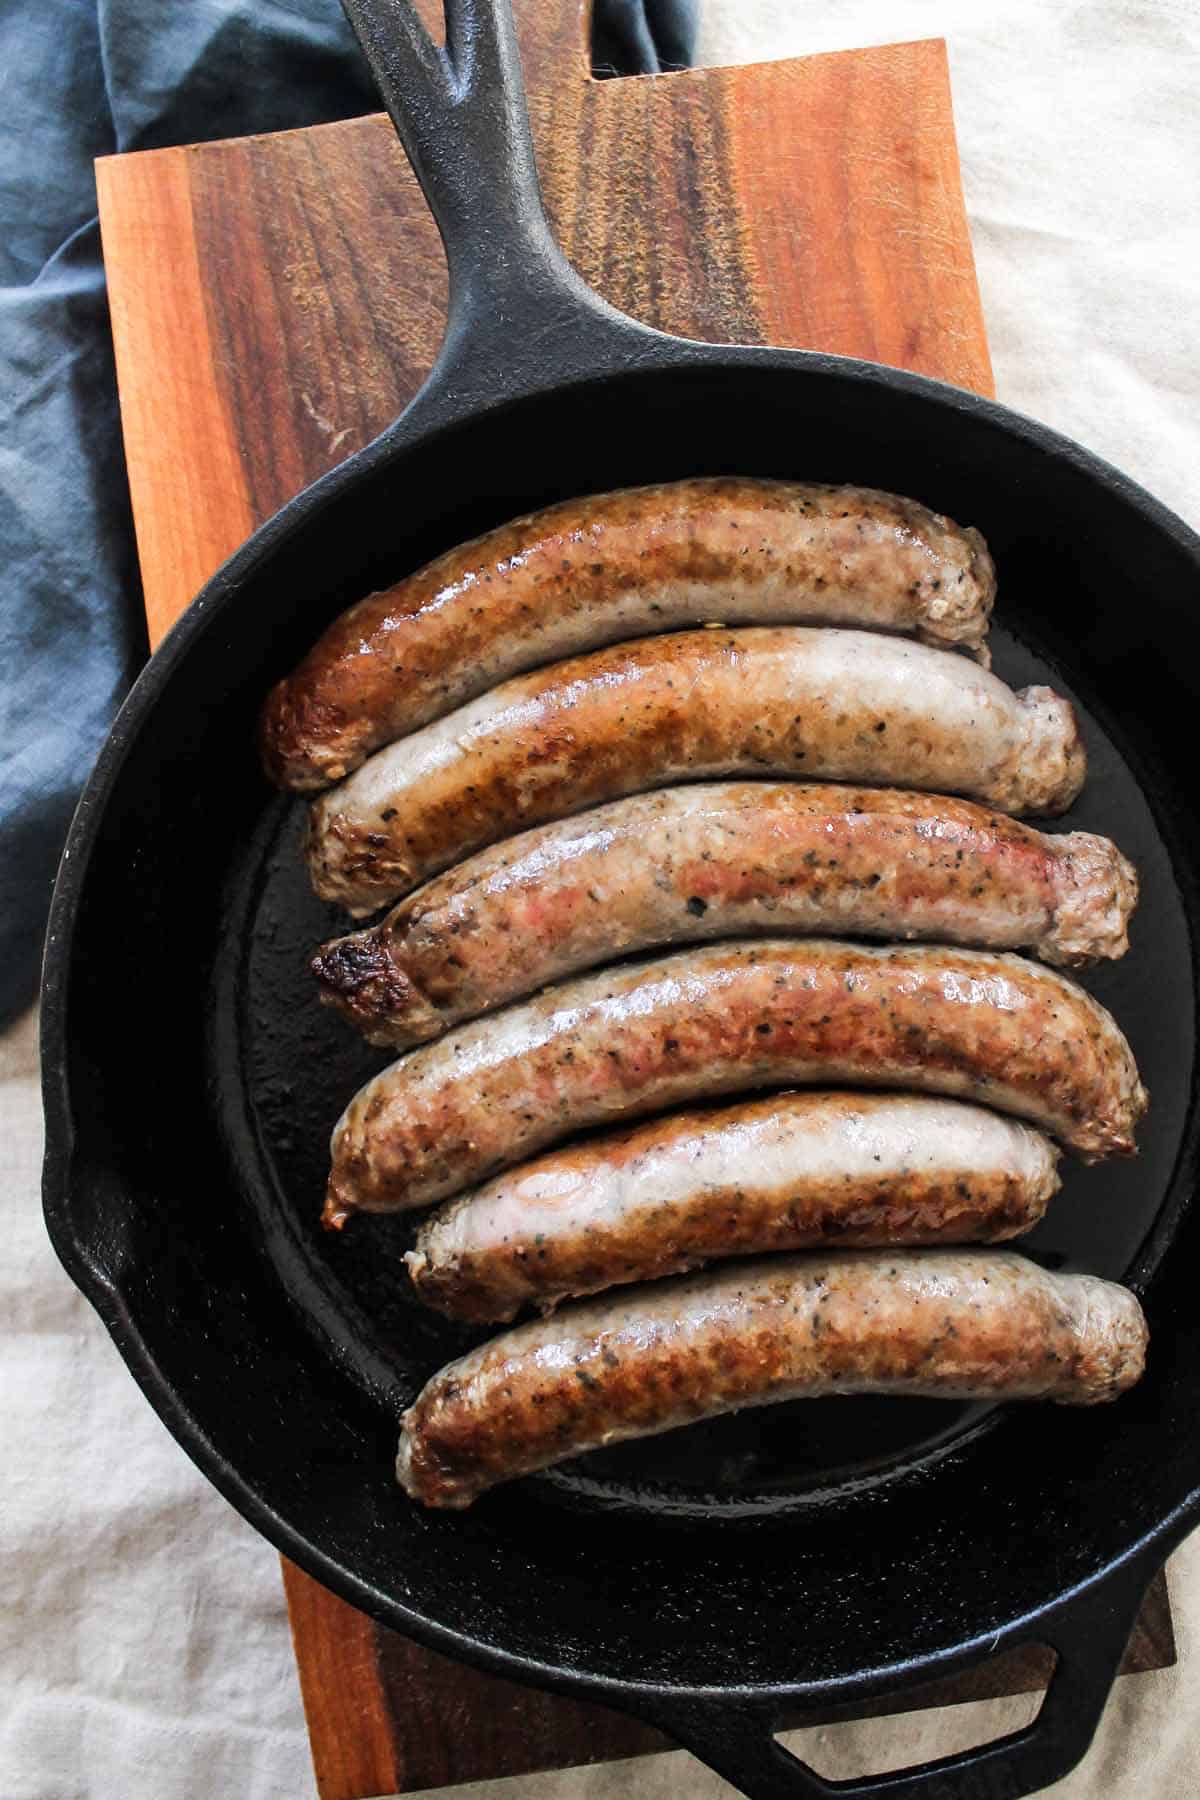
x=191, y=1080
x=295, y=1064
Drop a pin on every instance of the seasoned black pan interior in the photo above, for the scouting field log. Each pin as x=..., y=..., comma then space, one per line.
x=205, y=1079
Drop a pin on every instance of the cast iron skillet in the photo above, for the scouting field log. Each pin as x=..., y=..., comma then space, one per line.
x=729, y=1575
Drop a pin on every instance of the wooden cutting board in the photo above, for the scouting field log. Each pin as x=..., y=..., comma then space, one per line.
x=277, y=300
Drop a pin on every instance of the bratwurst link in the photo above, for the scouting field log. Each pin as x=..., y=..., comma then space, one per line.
x=793, y=1172
x=590, y=572
x=694, y=863
x=710, y=1021
x=838, y=705
x=943, y=1323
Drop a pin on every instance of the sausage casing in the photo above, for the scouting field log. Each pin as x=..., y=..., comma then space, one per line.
x=731, y=860
x=593, y=571
x=950, y=1324
x=787, y=1173
x=837, y=705
x=644, y=1037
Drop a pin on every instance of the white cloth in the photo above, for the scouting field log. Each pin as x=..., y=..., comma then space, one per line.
x=144, y=1651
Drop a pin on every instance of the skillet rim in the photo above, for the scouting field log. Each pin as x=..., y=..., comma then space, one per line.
x=421, y=425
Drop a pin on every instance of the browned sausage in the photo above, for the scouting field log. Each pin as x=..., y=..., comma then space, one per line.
x=983, y=1324
x=788, y=1173
x=590, y=572
x=694, y=863
x=708, y=1021
x=839, y=705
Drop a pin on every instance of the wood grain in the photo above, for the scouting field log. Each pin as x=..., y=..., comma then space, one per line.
x=350, y=1727
x=191, y=506
x=277, y=300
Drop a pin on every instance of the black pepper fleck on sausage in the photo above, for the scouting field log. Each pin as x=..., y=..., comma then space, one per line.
x=591, y=571
x=785, y=701
x=954, y=1324
x=728, y=1017
x=734, y=859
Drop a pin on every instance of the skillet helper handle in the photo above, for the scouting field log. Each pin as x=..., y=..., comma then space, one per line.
x=1090, y=1635
x=519, y=314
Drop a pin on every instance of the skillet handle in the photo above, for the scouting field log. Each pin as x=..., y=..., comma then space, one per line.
x=1090, y=1634
x=520, y=317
